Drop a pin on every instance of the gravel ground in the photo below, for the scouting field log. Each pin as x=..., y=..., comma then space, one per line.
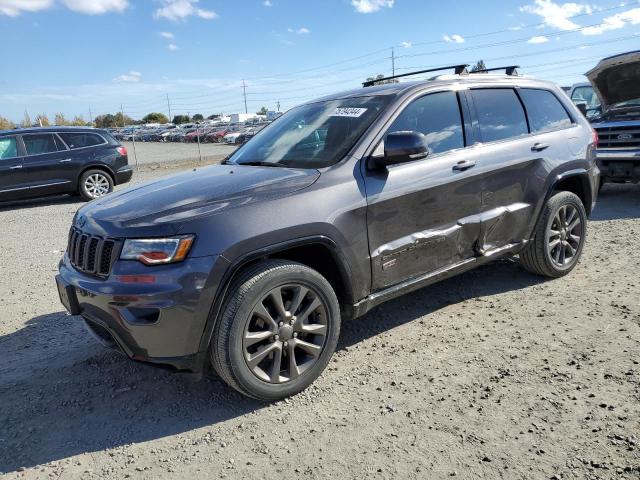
x=493, y=374
x=151, y=153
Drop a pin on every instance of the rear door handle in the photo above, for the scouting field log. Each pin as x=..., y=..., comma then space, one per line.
x=463, y=165
x=538, y=147
x=66, y=160
x=15, y=167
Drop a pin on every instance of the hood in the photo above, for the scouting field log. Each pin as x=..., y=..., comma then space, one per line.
x=161, y=207
x=617, y=79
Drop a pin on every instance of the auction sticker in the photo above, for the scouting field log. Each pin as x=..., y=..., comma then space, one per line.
x=348, y=112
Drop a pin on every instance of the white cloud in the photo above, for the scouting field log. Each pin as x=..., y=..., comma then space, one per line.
x=299, y=31
x=96, y=7
x=370, y=6
x=538, y=39
x=13, y=8
x=167, y=35
x=615, y=22
x=176, y=10
x=405, y=44
x=453, y=38
x=267, y=3
x=172, y=47
x=557, y=15
x=131, y=77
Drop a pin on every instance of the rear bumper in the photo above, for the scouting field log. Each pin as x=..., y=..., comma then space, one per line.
x=151, y=314
x=124, y=174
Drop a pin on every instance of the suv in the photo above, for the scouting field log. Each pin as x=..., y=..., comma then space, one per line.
x=339, y=205
x=47, y=161
x=616, y=81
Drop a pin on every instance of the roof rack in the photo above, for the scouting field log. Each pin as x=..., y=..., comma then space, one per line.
x=458, y=69
x=508, y=70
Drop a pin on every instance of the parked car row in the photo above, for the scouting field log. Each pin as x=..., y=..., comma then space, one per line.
x=230, y=133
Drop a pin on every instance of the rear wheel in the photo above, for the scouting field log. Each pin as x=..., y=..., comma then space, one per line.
x=95, y=184
x=559, y=237
x=277, y=331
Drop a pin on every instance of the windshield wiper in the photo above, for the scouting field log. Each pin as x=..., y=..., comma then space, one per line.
x=257, y=163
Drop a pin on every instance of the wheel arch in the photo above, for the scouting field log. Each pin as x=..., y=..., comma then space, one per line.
x=574, y=181
x=98, y=166
x=318, y=252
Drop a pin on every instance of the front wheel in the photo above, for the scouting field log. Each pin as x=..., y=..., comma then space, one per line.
x=559, y=237
x=95, y=184
x=277, y=331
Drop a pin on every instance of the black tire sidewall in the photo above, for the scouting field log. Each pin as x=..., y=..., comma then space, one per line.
x=243, y=375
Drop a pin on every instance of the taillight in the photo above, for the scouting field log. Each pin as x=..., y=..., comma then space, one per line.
x=594, y=138
x=122, y=151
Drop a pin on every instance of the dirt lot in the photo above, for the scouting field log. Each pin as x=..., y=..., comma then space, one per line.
x=494, y=374
x=156, y=154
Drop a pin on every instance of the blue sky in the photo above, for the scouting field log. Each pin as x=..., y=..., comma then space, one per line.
x=72, y=55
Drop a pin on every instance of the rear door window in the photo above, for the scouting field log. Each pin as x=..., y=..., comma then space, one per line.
x=500, y=114
x=545, y=111
x=437, y=116
x=80, y=139
x=8, y=148
x=40, y=144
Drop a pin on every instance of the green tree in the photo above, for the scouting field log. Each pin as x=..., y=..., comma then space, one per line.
x=60, y=120
x=378, y=81
x=198, y=117
x=180, y=119
x=26, y=122
x=42, y=120
x=78, y=121
x=262, y=111
x=6, y=124
x=479, y=66
x=155, y=117
x=215, y=116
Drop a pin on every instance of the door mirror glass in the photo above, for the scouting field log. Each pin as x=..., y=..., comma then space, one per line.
x=401, y=147
x=582, y=107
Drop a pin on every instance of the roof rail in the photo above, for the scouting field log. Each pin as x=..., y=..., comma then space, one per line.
x=508, y=70
x=458, y=69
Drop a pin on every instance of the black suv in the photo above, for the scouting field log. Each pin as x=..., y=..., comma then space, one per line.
x=339, y=205
x=47, y=161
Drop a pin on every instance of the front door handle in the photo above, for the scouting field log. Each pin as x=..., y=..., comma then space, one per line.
x=463, y=165
x=15, y=167
x=66, y=160
x=538, y=147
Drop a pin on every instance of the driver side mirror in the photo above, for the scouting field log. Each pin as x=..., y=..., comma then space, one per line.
x=402, y=147
x=582, y=107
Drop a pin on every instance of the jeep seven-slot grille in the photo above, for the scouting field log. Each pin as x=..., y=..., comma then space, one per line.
x=618, y=137
x=92, y=255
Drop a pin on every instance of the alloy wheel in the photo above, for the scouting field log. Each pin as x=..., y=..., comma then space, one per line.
x=564, y=236
x=285, y=333
x=96, y=185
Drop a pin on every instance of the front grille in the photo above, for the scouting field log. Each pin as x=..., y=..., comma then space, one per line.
x=91, y=254
x=619, y=137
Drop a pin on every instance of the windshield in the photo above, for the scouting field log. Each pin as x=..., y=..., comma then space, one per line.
x=586, y=95
x=315, y=135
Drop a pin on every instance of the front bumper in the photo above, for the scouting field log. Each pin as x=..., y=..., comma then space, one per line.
x=619, y=164
x=151, y=314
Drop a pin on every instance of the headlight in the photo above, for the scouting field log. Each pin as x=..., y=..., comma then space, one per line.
x=157, y=251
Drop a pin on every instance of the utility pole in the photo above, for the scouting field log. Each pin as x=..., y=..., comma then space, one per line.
x=244, y=89
x=90, y=117
x=169, y=106
x=278, y=104
x=122, y=113
x=393, y=62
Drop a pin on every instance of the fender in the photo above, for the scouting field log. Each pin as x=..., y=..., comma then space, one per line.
x=263, y=252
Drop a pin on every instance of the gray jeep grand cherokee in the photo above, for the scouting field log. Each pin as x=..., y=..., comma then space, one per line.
x=337, y=206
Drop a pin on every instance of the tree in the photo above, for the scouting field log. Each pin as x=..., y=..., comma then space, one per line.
x=155, y=117
x=6, y=124
x=26, y=123
x=262, y=111
x=377, y=80
x=197, y=117
x=109, y=120
x=78, y=121
x=180, y=119
x=42, y=120
x=60, y=120
x=215, y=116
x=479, y=66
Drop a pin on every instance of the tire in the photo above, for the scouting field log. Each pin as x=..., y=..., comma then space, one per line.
x=102, y=184
x=601, y=184
x=554, y=252
x=237, y=354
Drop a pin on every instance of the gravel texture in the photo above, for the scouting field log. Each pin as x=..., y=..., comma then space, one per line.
x=150, y=154
x=494, y=374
